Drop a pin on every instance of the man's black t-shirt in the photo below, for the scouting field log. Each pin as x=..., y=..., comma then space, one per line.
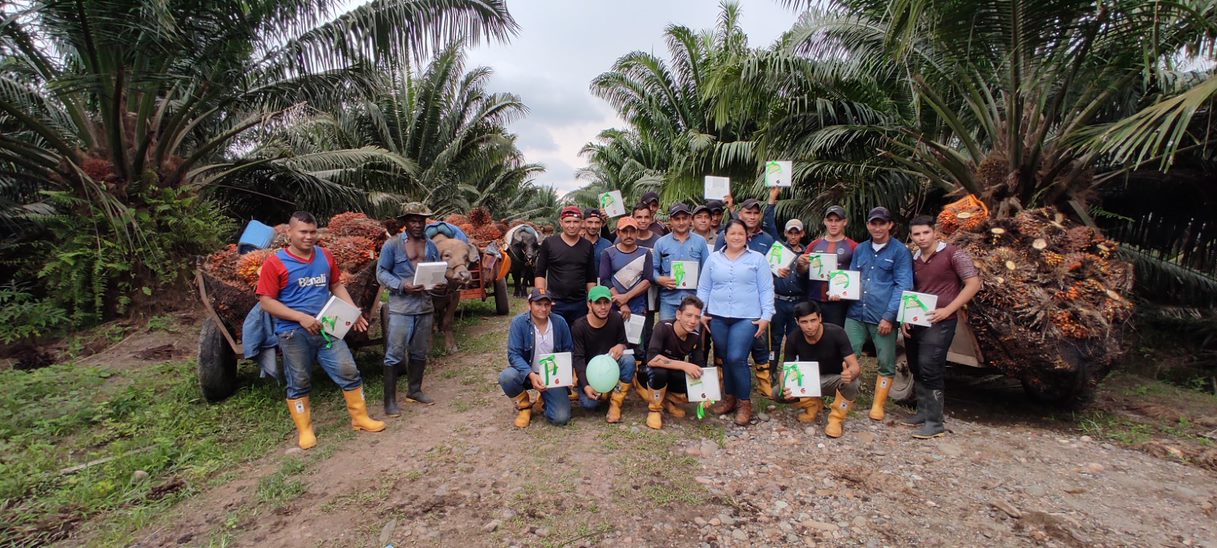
x=830, y=351
x=591, y=342
x=568, y=268
x=665, y=342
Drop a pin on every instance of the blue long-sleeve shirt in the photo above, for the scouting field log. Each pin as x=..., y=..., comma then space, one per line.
x=521, y=340
x=740, y=288
x=669, y=249
x=885, y=274
x=395, y=269
x=762, y=240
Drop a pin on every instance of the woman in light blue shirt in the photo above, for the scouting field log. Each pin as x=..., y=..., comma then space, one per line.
x=737, y=288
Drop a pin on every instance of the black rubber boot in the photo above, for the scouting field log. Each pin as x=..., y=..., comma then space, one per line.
x=414, y=374
x=391, y=408
x=922, y=397
x=933, y=426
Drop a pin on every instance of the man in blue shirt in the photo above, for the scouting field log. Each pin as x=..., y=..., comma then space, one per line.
x=886, y=270
x=532, y=335
x=788, y=291
x=681, y=244
x=411, y=309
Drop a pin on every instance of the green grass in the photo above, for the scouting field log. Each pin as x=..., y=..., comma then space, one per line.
x=162, y=323
x=279, y=488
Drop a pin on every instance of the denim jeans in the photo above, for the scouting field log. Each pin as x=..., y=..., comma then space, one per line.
x=734, y=339
x=927, y=348
x=557, y=400
x=667, y=311
x=885, y=345
x=627, y=366
x=570, y=310
x=408, y=333
x=783, y=323
x=301, y=349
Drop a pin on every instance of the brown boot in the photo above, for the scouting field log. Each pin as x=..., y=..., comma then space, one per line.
x=616, y=400
x=743, y=413
x=523, y=410
x=674, y=404
x=811, y=409
x=655, y=406
x=726, y=406
x=883, y=385
x=764, y=380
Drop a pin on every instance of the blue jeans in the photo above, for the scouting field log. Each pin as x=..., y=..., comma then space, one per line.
x=734, y=339
x=926, y=348
x=570, y=310
x=783, y=323
x=408, y=332
x=667, y=311
x=557, y=400
x=627, y=365
x=301, y=349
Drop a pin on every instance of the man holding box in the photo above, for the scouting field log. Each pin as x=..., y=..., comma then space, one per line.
x=836, y=243
x=885, y=271
x=827, y=345
x=295, y=284
x=601, y=332
x=532, y=335
x=411, y=309
x=676, y=350
x=947, y=272
x=788, y=291
x=679, y=246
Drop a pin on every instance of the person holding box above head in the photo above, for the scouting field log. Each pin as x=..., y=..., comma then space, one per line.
x=833, y=242
x=294, y=286
x=947, y=272
x=828, y=346
x=566, y=267
x=411, y=309
x=601, y=332
x=676, y=350
x=679, y=257
x=885, y=271
x=737, y=288
x=534, y=334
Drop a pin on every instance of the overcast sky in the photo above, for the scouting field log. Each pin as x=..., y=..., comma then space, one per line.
x=563, y=44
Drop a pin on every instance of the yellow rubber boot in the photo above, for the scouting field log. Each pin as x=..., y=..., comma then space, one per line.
x=302, y=415
x=836, y=418
x=883, y=385
x=641, y=390
x=811, y=409
x=359, y=412
x=674, y=403
x=616, y=400
x=655, y=405
x=523, y=410
x=763, y=383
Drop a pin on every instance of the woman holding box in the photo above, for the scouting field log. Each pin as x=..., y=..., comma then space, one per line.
x=737, y=288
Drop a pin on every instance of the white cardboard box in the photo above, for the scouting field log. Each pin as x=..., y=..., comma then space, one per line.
x=685, y=273
x=802, y=379
x=717, y=187
x=633, y=328
x=915, y=308
x=845, y=283
x=338, y=316
x=556, y=370
x=778, y=173
x=430, y=275
x=705, y=388
x=779, y=257
x=612, y=203
x=820, y=264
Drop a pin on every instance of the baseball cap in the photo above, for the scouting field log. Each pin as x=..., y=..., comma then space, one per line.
x=677, y=209
x=835, y=210
x=715, y=205
x=650, y=197
x=599, y=292
x=794, y=224
x=571, y=211
x=592, y=212
x=538, y=295
x=627, y=222
x=880, y=213
x=700, y=209
x=751, y=203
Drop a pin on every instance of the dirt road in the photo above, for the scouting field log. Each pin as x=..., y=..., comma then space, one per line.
x=458, y=473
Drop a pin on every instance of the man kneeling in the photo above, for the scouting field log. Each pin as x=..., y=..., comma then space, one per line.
x=676, y=349
x=533, y=334
x=602, y=331
x=828, y=345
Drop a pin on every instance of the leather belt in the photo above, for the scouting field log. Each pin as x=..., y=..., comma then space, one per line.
x=789, y=298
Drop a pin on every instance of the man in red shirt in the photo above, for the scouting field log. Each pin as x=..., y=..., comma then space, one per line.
x=294, y=286
x=947, y=272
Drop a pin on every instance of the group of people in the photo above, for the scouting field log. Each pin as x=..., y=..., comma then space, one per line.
x=592, y=281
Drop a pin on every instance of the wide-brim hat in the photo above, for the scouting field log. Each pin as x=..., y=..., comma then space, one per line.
x=414, y=209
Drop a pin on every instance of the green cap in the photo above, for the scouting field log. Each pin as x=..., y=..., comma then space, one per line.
x=599, y=292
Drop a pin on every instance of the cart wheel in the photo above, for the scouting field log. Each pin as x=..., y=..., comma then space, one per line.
x=902, y=385
x=501, y=303
x=217, y=364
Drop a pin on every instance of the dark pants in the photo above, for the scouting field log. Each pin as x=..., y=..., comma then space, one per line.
x=657, y=378
x=926, y=349
x=782, y=325
x=570, y=310
x=834, y=311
